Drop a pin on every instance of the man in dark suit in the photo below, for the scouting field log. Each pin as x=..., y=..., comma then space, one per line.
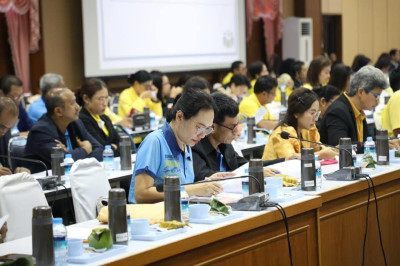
x=61, y=127
x=345, y=117
x=215, y=153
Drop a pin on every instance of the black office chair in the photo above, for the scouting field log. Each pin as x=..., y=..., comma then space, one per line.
x=16, y=147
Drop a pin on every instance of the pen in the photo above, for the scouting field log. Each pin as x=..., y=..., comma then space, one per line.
x=277, y=172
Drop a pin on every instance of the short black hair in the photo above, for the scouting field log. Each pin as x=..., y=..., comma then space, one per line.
x=7, y=81
x=225, y=106
x=327, y=92
x=197, y=83
x=383, y=62
x=190, y=102
x=265, y=83
x=140, y=76
x=296, y=68
x=156, y=76
x=240, y=80
x=54, y=99
x=394, y=79
x=236, y=65
x=393, y=52
x=255, y=69
x=89, y=87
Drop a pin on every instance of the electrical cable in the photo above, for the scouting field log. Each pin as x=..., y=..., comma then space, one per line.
x=366, y=219
x=71, y=206
x=54, y=199
x=377, y=220
x=283, y=213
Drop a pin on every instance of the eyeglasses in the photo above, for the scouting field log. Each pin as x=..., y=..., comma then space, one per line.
x=235, y=126
x=317, y=114
x=204, y=130
x=373, y=93
x=102, y=99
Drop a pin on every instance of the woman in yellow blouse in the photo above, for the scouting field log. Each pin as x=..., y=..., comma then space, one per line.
x=302, y=113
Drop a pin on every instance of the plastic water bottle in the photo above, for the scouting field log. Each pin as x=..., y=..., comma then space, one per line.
x=68, y=162
x=184, y=205
x=108, y=159
x=318, y=173
x=60, y=242
x=243, y=134
x=369, y=146
x=15, y=132
x=153, y=122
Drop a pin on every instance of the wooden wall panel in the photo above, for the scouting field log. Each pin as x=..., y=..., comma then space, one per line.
x=63, y=39
x=380, y=29
x=365, y=27
x=350, y=27
x=393, y=22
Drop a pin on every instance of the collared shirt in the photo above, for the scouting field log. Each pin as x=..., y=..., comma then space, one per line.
x=390, y=114
x=227, y=78
x=129, y=100
x=277, y=147
x=250, y=105
x=37, y=109
x=359, y=120
x=101, y=124
x=159, y=155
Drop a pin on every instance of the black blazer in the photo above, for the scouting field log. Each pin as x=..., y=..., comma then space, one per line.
x=42, y=136
x=98, y=133
x=339, y=121
x=205, y=160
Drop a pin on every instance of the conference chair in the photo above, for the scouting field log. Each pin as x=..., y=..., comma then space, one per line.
x=88, y=183
x=16, y=147
x=19, y=194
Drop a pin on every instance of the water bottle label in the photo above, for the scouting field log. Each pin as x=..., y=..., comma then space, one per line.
x=382, y=158
x=121, y=237
x=309, y=183
x=60, y=244
x=308, y=165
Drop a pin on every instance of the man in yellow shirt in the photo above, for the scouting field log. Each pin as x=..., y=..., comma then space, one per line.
x=256, y=69
x=237, y=68
x=390, y=114
x=345, y=116
x=264, y=93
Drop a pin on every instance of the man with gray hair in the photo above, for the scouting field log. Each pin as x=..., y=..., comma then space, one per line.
x=345, y=117
x=47, y=82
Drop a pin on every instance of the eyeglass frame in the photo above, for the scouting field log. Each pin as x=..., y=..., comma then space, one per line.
x=235, y=126
x=200, y=130
x=376, y=95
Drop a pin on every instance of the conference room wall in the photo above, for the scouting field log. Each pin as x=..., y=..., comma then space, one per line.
x=369, y=26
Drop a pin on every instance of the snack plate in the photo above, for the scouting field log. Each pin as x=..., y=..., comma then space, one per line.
x=216, y=218
x=91, y=256
x=157, y=233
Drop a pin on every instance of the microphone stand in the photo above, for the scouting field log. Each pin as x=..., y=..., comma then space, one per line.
x=27, y=160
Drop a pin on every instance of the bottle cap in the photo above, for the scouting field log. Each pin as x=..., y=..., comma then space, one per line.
x=369, y=138
x=182, y=188
x=57, y=220
x=107, y=147
x=68, y=155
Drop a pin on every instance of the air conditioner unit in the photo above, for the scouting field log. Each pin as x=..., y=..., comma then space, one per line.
x=297, y=39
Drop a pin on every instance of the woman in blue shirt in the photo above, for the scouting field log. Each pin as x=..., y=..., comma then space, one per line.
x=167, y=152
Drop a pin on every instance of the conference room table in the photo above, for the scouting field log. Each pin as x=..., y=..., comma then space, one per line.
x=326, y=228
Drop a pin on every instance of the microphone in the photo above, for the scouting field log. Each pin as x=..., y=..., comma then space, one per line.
x=286, y=135
x=27, y=160
x=160, y=187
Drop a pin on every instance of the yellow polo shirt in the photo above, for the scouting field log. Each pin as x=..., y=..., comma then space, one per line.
x=277, y=147
x=129, y=100
x=227, y=78
x=277, y=92
x=359, y=120
x=250, y=105
x=390, y=114
x=115, y=119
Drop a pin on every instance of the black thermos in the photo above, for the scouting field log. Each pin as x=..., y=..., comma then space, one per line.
x=117, y=221
x=307, y=169
x=345, y=158
x=382, y=147
x=125, y=153
x=251, y=133
x=256, y=170
x=42, y=236
x=172, y=198
x=57, y=158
